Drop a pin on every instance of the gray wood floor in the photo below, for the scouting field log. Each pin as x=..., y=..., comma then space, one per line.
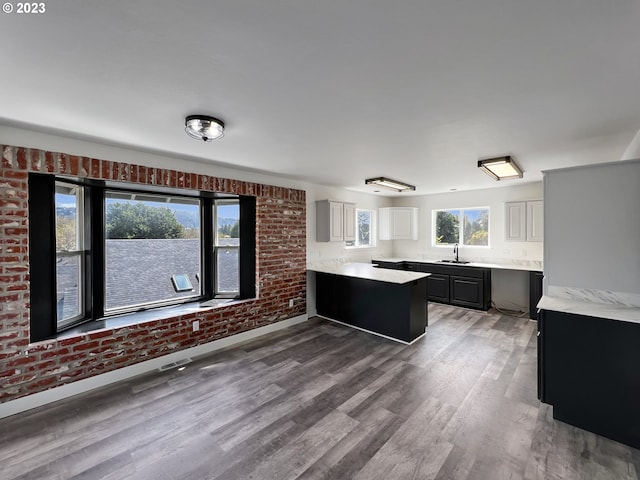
x=320, y=400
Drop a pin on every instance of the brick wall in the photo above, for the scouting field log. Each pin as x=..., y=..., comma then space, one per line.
x=29, y=368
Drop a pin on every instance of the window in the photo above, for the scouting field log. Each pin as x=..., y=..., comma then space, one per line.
x=464, y=226
x=227, y=246
x=69, y=253
x=148, y=240
x=365, y=229
x=98, y=250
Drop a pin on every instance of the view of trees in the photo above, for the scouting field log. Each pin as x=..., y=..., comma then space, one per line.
x=447, y=227
x=137, y=220
x=66, y=234
x=364, y=227
x=229, y=230
x=474, y=232
x=477, y=232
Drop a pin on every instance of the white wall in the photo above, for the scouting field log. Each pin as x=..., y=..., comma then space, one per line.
x=509, y=289
x=494, y=198
x=592, y=227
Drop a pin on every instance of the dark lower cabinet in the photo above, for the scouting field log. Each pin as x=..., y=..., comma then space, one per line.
x=438, y=288
x=535, y=293
x=588, y=370
x=460, y=285
x=466, y=292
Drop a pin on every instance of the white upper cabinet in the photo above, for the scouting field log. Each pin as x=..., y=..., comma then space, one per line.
x=524, y=221
x=516, y=221
x=335, y=221
x=398, y=223
x=535, y=221
x=349, y=212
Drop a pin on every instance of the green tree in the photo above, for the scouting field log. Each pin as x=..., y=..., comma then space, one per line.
x=234, y=231
x=137, y=221
x=65, y=233
x=447, y=228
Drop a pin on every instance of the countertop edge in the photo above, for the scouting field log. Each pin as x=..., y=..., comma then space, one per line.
x=493, y=266
x=366, y=271
x=590, y=309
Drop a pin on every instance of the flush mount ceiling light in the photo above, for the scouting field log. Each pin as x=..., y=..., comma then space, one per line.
x=390, y=184
x=501, y=168
x=203, y=127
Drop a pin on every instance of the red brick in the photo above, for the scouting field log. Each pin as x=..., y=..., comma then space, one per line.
x=86, y=346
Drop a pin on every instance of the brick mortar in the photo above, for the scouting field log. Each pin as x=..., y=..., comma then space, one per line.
x=280, y=275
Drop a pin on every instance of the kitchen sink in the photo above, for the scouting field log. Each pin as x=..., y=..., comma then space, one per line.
x=459, y=262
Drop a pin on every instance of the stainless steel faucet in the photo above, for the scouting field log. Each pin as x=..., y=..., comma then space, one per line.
x=455, y=250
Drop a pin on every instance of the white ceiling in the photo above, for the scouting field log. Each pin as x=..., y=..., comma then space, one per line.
x=332, y=92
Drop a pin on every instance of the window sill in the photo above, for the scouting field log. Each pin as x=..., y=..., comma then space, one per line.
x=162, y=313
x=359, y=247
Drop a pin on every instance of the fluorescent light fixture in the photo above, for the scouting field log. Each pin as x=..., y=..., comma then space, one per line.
x=390, y=184
x=203, y=127
x=501, y=168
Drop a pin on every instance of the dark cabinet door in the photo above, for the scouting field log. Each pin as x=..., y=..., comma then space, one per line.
x=541, y=359
x=535, y=293
x=466, y=292
x=438, y=288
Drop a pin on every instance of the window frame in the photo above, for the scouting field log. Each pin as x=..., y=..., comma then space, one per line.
x=109, y=312
x=216, y=247
x=461, y=210
x=42, y=241
x=80, y=253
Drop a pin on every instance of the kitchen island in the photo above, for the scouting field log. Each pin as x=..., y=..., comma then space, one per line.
x=390, y=303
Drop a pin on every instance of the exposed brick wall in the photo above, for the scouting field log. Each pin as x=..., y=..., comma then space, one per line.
x=29, y=368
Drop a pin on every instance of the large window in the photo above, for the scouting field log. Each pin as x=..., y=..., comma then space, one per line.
x=150, y=239
x=99, y=250
x=464, y=226
x=365, y=229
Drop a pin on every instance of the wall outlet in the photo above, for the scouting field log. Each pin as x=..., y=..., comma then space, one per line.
x=507, y=252
x=291, y=303
x=196, y=325
x=524, y=253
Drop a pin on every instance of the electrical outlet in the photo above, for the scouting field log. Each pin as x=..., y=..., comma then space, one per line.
x=524, y=253
x=507, y=252
x=196, y=325
x=291, y=303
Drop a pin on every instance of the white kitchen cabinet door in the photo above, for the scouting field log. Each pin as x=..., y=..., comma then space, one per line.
x=535, y=221
x=515, y=221
x=335, y=221
x=398, y=223
x=349, y=212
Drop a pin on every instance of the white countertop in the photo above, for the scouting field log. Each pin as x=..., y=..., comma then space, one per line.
x=623, y=313
x=496, y=266
x=368, y=272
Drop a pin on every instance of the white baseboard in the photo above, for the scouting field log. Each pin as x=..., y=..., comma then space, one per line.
x=81, y=386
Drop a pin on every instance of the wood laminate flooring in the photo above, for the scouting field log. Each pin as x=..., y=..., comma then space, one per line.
x=323, y=401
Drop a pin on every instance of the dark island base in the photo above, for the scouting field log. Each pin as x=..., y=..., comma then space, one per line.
x=588, y=370
x=395, y=310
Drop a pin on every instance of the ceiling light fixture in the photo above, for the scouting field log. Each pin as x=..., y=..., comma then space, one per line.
x=390, y=184
x=501, y=168
x=203, y=127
